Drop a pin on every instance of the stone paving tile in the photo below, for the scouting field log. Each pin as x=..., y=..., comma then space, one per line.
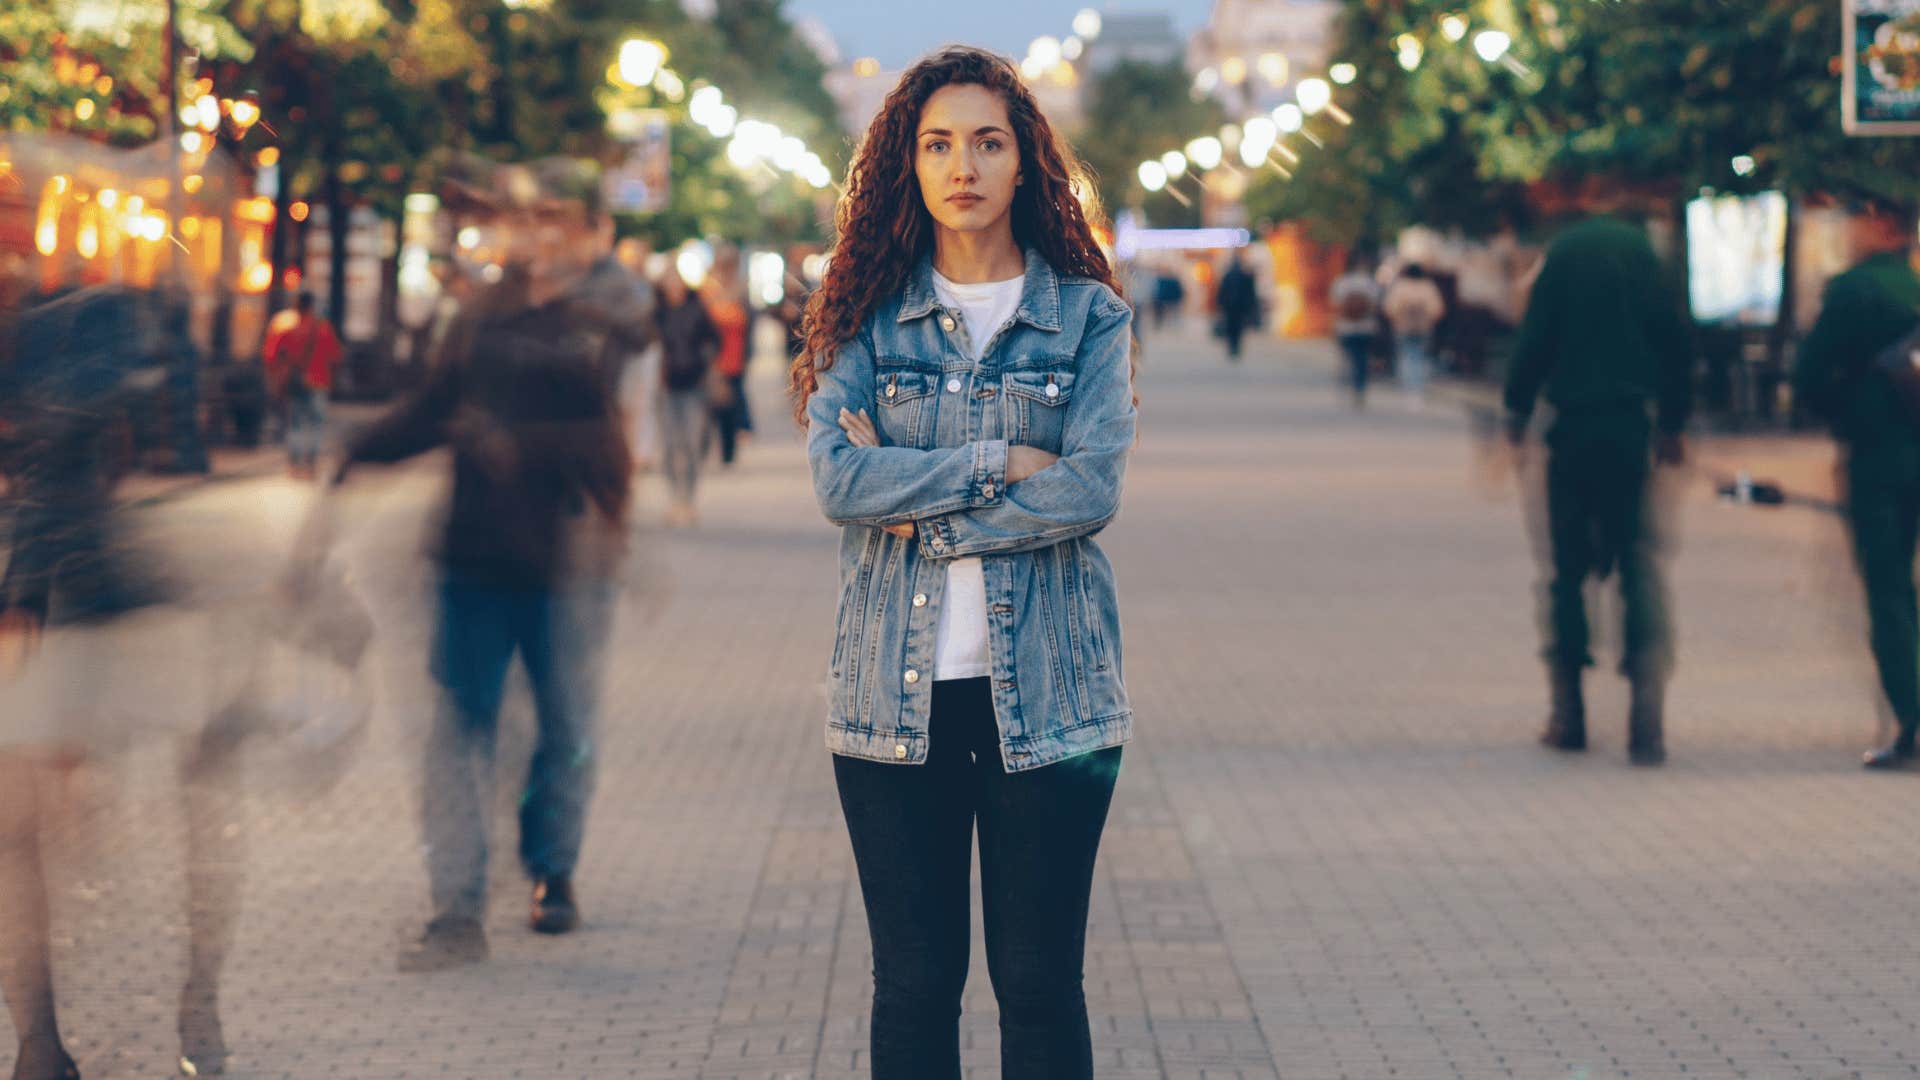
x=1334, y=852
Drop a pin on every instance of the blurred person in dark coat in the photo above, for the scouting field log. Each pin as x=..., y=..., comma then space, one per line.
x=1606, y=342
x=1238, y=304
x=534, y=530
x=1866, y=310
x=98, y=648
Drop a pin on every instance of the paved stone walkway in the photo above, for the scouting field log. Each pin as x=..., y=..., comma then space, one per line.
x=1335, y=851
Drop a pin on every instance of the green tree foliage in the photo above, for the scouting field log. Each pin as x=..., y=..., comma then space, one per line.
x=1659, y=95
x=1136, y=111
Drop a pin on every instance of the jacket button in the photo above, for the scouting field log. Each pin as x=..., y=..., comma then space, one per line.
x=912, y=676
x=919, y=599
x=946, y=322
x=953, y=386
x=1052, y=390
x=987, y=490
x=900, y=750
x=892, y=389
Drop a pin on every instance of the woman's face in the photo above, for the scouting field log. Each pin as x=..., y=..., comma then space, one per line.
x=966, y=158
x=673, y=288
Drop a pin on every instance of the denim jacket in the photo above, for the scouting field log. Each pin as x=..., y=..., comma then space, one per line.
x=1055, y=377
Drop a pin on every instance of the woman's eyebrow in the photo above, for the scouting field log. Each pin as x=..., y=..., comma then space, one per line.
x=978, y=131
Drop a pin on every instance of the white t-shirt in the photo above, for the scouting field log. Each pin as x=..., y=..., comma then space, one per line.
x=960, y=643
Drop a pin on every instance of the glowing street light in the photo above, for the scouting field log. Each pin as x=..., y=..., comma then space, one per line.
x=1492, y=44
x=1175, y=163
x=1087, y=24
x=1313, y=95
x=1205, y=152
x=1289, y=118
x=1343, y=74
x=1045, y=51
x=640, y=60
x=1259, y=131
x=1273, y=68
x=1454, y=27
x=1072, y=48
x=1744, y=165
x=1153, y=175
x=207, y=112
x=1410, y=51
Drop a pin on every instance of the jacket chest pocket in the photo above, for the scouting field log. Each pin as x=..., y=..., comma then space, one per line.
x=906, y=401
x=1037, y=407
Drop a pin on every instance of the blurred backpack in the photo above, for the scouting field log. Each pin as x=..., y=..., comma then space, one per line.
x=1900, y=362
x=1357, y=305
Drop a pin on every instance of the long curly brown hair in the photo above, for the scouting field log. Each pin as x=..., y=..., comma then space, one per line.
x=882, y=225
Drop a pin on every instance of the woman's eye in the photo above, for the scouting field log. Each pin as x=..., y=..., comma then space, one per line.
x=936, y=147
x=989, y=144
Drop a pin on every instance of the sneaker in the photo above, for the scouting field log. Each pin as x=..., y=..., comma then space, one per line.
x=449, y=941
x=554, y=911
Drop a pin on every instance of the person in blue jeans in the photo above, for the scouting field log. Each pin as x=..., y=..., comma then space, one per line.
x=533, y=535
x=967, y=391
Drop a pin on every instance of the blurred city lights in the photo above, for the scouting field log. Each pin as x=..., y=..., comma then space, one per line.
x=1454, y=27
x=1234, y=70
x=1343, y=74
x=1174, y=162
x=207, y=112
x=1313, y=95
x=1205, y=152
x=1073, y=48
x=1045, y=51
x=245, y=111
x=1744, y=165
x=1153, y=175
x=1409, y=51
x=1206, y=81
x=1273, y=68
x=1492, y=44
x=1087, y=24
x=640, y=61
x=1289, y=118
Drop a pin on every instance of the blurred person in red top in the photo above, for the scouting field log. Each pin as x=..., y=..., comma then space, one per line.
x=725, y=295
x=300, y=356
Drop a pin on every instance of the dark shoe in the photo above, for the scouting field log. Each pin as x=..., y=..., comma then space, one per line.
x=1567, y=724
x=1646, y=722
x=203, y=1044
x=450, y=941
x=1892, y=758
x=554, y=911
x=44, y=1061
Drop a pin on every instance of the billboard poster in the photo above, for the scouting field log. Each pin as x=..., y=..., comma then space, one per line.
x=640, y=180
x=1881, y=67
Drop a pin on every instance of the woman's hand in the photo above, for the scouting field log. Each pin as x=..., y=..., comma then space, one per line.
x=861, y=432
x=1024, y=461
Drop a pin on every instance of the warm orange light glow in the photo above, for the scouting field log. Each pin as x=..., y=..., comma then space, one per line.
x=192, y=184
x=269, y=157
x=244, y=112
x=291, y=278
x=83, y=110
x=86, y=239
x=257, y=279
x=46, y=232
x=298, y=211
x=258, y=210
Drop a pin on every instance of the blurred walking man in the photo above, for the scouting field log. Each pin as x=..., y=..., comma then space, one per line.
x=1867, y=309
x=533, y=537
x=1605, y=339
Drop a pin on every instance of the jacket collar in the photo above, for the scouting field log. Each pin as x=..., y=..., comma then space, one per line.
x=1039, y=294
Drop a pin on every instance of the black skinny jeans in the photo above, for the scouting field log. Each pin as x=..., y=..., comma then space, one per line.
x=912, y=828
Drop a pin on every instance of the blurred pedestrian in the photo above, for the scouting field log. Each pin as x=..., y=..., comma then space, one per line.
x=967, y=299
x=1236, y=304
x=640, y=383
x=1606, y=340
x=1866, y=310
x=98, y=649
x=299, y=356
x=1168, y=295
x=1413, y=307
x=532, y=538
x=1356, y=322
x=725, y=296
x=689, y=343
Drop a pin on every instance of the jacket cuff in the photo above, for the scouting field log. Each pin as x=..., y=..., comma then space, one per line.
x=989, y=484
x=936, y=537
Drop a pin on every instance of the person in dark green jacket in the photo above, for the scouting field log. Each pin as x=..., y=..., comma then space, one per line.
x=1606, y=340
x=1865, y=310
